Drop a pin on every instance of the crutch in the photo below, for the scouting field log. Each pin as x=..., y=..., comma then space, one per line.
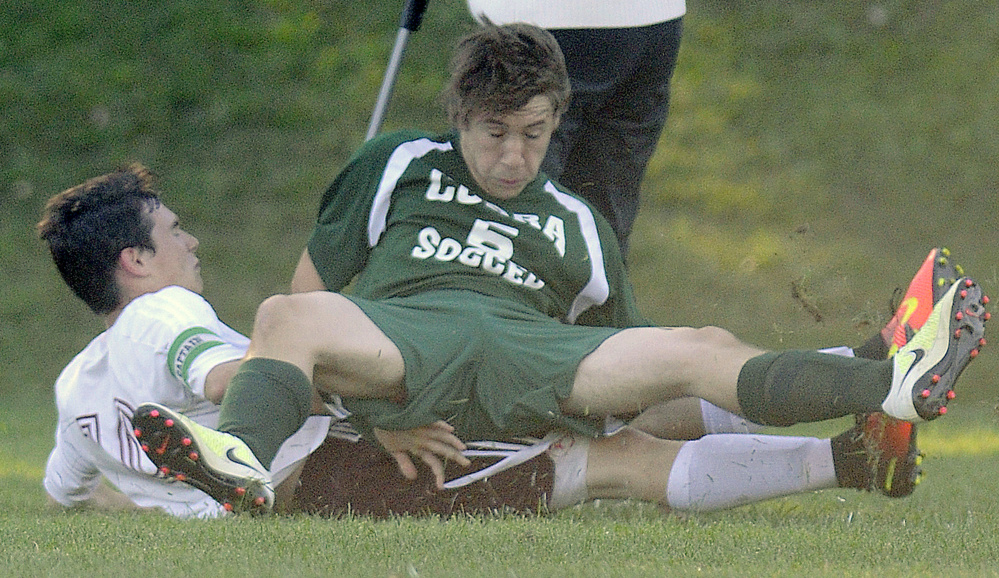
x=412, y=17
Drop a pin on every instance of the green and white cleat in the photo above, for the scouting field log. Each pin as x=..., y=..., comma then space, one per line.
x=215, y=462
x=927, y=367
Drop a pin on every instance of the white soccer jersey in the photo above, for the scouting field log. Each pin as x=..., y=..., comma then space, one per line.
x=160, y=349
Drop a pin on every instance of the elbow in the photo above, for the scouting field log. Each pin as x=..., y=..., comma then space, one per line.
x=215, y=392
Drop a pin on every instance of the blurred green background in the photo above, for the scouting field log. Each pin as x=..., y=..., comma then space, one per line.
x=815, y=151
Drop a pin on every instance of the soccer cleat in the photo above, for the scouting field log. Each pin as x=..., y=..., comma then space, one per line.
x=930, y=283
x=878, y=454
x=926, y=368
x=217, y=463
x=893, y=457
x=937, y=273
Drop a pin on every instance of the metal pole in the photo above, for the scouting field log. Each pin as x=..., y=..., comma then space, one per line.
x=412, y=17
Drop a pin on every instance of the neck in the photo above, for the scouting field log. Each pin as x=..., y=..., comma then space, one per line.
x=110, y=318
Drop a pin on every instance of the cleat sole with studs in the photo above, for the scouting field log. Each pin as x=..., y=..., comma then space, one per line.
x=967, y=322
x=177, y=455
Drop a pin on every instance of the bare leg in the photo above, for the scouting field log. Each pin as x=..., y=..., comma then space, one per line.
x=715, y=472
x=678, y=419
x=630, y=464
x=690, y=418
x=328, y=330
x=641, y=367
x=323, y=341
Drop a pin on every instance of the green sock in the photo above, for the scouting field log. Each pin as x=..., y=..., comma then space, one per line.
x=873, y=348
x=789, y=387
x=266, y=402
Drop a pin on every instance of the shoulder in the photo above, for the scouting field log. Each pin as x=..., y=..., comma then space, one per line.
x=376, y=167
x=168, y=310
x=379, y=157
x=91, y=361
x=170, y=303
x=566, y=197
x=385, y=145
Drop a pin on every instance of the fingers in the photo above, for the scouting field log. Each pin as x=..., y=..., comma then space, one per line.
x=434, y=444
x=441, y=431
x=406, y=466
x=442, y=442
x=436, y=467
x=443, y=450
x=441, y=424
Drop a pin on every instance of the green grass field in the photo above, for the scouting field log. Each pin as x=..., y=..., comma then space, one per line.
x=947, y=528
x=816, y=145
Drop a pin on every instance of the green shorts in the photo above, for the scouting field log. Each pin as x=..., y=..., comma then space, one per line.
x=490, y=367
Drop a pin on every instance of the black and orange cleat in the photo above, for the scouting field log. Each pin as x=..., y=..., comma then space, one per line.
x=217, y=463
x=893, y=456
x=879, y=454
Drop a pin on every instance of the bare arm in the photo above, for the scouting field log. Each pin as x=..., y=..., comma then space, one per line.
x=218, y=378
x=306, y=276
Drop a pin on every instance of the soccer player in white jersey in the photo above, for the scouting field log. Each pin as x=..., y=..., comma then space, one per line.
x=486, y=294
x=125, y=255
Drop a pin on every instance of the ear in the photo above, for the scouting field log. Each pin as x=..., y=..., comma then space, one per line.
x=132, y=261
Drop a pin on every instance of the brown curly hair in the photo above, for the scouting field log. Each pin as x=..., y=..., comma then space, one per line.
x=498, y=69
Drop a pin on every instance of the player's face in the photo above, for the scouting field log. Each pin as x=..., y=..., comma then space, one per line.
x=504, y=152
x=175, y=261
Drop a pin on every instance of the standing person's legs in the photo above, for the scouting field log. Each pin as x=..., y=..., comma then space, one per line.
x=614, y=122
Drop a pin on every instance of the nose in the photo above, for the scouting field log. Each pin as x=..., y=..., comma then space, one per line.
x=513, y=152
x=192, y=242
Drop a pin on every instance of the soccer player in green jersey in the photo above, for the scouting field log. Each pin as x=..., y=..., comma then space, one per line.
x=486, y=295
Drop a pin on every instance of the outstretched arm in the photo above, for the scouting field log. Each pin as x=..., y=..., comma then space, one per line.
x=431, y=443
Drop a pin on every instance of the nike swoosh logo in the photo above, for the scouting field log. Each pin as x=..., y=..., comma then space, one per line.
x=231, y=455
x=909, y=305
x=918, y=354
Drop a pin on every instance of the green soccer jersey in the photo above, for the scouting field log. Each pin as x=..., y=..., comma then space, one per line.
x=405, y=217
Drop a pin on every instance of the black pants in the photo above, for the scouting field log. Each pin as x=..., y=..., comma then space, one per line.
x=620, y=98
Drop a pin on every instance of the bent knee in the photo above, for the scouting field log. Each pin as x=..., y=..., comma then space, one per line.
x=716, y=337
x=282, y=317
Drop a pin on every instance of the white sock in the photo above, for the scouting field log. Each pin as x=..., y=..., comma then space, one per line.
x=839, y=350
x=717, y=420
x=569, y=453
x=728, y=470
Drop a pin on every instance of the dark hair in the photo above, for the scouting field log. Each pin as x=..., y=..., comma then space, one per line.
x=498, y=69
x=87, y=227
